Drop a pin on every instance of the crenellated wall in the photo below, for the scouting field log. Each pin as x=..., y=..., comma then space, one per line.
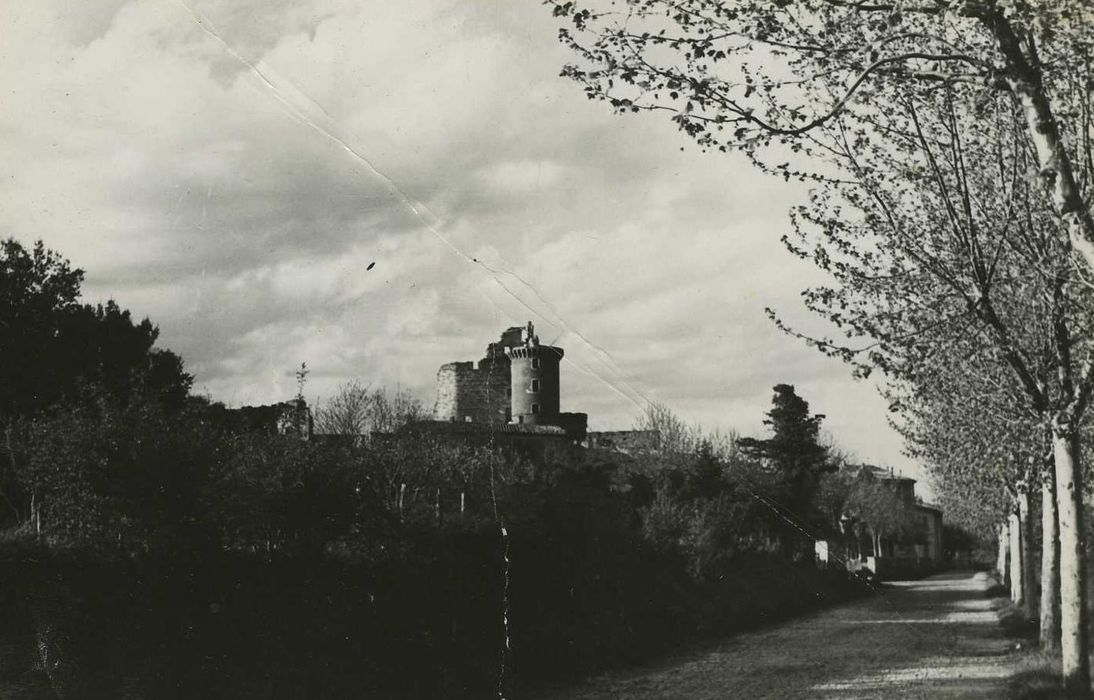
x=516, y=383
x=470, y=393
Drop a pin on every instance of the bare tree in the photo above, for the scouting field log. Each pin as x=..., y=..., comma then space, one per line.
x=358, y=410
x=676, y=435
x=347, y=412
x=389, y=412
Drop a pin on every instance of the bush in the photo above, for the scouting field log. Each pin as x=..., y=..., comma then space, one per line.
x=180, y=559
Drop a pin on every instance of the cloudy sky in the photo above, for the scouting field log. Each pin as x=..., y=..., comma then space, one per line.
x=230, y=169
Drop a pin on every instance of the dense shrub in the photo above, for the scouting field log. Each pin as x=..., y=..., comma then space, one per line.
x=162, y=547
x=177, y=559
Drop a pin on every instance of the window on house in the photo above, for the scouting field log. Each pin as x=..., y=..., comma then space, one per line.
x=535, y=408
x=535, y=385
x=535, y=363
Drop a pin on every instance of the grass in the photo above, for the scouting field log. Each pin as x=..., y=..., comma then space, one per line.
x=1038, y=671
x=1038, y=678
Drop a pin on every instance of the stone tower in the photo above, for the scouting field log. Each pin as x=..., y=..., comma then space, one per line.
x=534, y=385
x=470, y=392
x=514, y=389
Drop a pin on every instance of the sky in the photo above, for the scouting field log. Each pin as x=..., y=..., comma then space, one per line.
x=231, y=169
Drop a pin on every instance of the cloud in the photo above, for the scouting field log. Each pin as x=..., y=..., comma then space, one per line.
x=231, y=169
x=522, y=177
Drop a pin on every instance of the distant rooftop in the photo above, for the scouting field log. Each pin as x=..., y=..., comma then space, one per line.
x=885, y=473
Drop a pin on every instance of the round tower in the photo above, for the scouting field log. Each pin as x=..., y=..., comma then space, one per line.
x=533, y=376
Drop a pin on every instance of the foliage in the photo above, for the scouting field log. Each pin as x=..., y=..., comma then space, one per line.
x=102, y=474
x=792, y=83
x=167, y=546
x=52, y=344
x=395, y=544
x=876, y=506
x=381, y=551
x=979, y=460
x=794, y=455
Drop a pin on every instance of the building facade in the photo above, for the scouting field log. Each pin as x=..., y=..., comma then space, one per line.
x=914, y=550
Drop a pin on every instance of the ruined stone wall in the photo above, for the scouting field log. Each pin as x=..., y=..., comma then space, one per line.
x=467, y=393
x=625, y=441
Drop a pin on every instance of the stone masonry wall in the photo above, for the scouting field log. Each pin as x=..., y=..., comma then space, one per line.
x=476, y=394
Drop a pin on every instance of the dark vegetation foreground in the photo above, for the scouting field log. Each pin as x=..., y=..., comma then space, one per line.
x=424, y=624
x=156, y=544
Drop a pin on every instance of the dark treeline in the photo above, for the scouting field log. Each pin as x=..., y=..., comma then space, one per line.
x=155, y=547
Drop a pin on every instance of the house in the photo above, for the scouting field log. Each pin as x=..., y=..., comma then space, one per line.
x=887, y=529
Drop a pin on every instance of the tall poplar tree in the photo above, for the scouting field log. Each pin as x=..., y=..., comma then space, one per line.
x=980, y=444
x=957, y=257
x=799, y=86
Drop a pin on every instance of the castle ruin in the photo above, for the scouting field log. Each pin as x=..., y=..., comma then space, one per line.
x=515, y=384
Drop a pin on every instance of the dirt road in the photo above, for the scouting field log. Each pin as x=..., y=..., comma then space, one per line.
x=935, y=638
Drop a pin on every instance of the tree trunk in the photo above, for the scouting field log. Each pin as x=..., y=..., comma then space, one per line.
x=33, y=515
x=1056, y=170
x=1026, y=548
x=1001, y=560
x=1023, y=77
x=1069, y=501
x=1017, y=565
x=1050, y=565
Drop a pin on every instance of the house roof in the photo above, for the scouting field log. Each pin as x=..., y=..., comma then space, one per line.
x=885, y=473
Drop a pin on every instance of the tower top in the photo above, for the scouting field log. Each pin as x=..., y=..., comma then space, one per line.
x=530, y=338
x=529, y=345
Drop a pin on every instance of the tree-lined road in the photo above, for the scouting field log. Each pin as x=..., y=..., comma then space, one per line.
x=935, y=638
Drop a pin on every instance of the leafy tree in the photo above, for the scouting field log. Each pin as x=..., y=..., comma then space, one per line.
x=38, y=289
x=785, y=78
x=52, y=343
x=796, y=76
x=284, y=495
x=700, y=495
x=959, y=267
x=794, y=456
x=104, y=347
x=873, y=507
x=56, y=353
x=987, y=463
x=98, y=473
